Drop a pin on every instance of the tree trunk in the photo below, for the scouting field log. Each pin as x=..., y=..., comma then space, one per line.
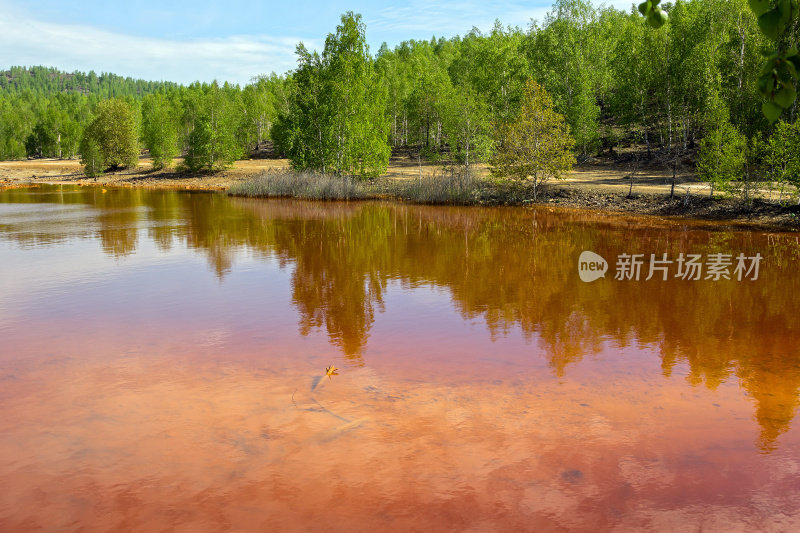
x=674, y=172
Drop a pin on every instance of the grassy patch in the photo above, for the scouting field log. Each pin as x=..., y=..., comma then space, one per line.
x=307, y=185
x=446, y=187
x=443, y=187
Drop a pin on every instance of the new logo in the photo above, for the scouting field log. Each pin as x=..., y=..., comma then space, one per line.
x=591, y=266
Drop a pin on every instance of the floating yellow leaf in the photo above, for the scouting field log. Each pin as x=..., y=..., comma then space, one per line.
x=331, y=371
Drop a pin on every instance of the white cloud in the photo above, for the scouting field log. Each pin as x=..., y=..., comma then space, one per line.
x=27, y=41
x=424, y=18
x=451, y=18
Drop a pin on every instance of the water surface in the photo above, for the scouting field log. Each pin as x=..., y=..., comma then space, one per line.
x=162, y=355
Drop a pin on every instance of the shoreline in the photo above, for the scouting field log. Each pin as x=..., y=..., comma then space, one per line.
x=591, y=188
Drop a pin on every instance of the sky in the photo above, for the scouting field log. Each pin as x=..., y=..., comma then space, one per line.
x=234, y=40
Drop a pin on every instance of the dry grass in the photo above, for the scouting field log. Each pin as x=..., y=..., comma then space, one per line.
x=454, y=186
x=307, y=185
x=451, y=186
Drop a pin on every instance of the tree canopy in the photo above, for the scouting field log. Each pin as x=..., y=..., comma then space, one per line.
x=537, y=145
x=114, y=133
x=336, y=118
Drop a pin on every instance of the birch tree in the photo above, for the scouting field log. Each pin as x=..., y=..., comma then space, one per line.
x=537, y=145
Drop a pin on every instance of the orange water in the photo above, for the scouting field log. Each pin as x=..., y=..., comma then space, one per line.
x=162, y=357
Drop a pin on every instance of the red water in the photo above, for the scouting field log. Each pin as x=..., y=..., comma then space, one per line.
x=162, y=361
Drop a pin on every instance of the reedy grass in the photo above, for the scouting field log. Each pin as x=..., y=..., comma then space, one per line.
x=455, y=186
x=304, y=184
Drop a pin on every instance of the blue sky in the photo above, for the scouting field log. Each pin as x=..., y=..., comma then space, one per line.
x=230, y=40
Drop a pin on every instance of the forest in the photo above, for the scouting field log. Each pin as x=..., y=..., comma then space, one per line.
x=690, y=92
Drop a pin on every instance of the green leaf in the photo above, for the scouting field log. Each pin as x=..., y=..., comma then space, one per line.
x=785, y=97
x=657, y=18
x=791, y=68
x=759, y=7
x=770, y=86
x=771, y=110
x=785, y=9
x=769, y=67
x=770, y=23
x=783, y=72
x=794, y=61
x=644, y=8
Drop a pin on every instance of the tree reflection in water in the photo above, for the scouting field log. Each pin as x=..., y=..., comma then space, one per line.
x=514, y=269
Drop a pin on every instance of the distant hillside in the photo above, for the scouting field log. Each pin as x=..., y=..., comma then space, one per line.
x=48, y=81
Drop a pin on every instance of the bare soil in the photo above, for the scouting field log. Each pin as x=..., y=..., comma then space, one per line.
x=71, y=172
